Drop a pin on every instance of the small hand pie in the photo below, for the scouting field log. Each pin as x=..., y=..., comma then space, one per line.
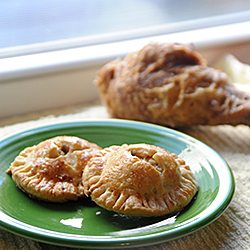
x=171, y=85
x=52, y=170
x=139, y=180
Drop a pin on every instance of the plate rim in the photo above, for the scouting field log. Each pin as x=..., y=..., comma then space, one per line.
x=109, y=241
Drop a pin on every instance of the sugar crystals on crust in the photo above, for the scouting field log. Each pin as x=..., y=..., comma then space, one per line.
x=139, y=180
x=52, y=170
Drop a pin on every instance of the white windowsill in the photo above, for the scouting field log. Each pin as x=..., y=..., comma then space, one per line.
x=65, y=77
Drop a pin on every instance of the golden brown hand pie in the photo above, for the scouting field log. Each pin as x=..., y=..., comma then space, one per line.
x=52, y=170
x=139, y=180
x=171, y=84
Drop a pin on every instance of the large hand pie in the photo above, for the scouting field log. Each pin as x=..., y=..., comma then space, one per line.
x=139, y=180
x=171, y=85
x=52, y=170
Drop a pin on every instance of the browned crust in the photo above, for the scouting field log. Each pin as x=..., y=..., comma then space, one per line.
x=171, y=84
x=139, y=180
x=52, y=170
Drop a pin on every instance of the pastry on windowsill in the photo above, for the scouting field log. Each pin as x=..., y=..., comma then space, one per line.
x=171, y=85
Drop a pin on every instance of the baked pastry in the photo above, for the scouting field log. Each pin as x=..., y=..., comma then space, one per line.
x=139, y=180
x=52, y=170
x=171, y=85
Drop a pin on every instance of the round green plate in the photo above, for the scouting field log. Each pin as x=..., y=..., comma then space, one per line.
x=82, y=223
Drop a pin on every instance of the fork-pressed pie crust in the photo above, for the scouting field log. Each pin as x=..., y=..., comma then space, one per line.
x=139, y=180
x=52, y=170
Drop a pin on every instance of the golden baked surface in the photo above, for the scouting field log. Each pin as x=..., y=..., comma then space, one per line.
x=171, y=84
x=52, y=170
x=139, y=180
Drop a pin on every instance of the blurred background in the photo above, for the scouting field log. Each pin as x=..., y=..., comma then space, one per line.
x=36, y=26
x=50, y=51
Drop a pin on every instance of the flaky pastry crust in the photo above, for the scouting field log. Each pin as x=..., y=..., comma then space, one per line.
x=52, y=170
x=139, y=180
x=171, y=85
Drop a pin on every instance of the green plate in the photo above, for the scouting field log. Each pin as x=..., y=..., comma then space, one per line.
x=82, y=223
